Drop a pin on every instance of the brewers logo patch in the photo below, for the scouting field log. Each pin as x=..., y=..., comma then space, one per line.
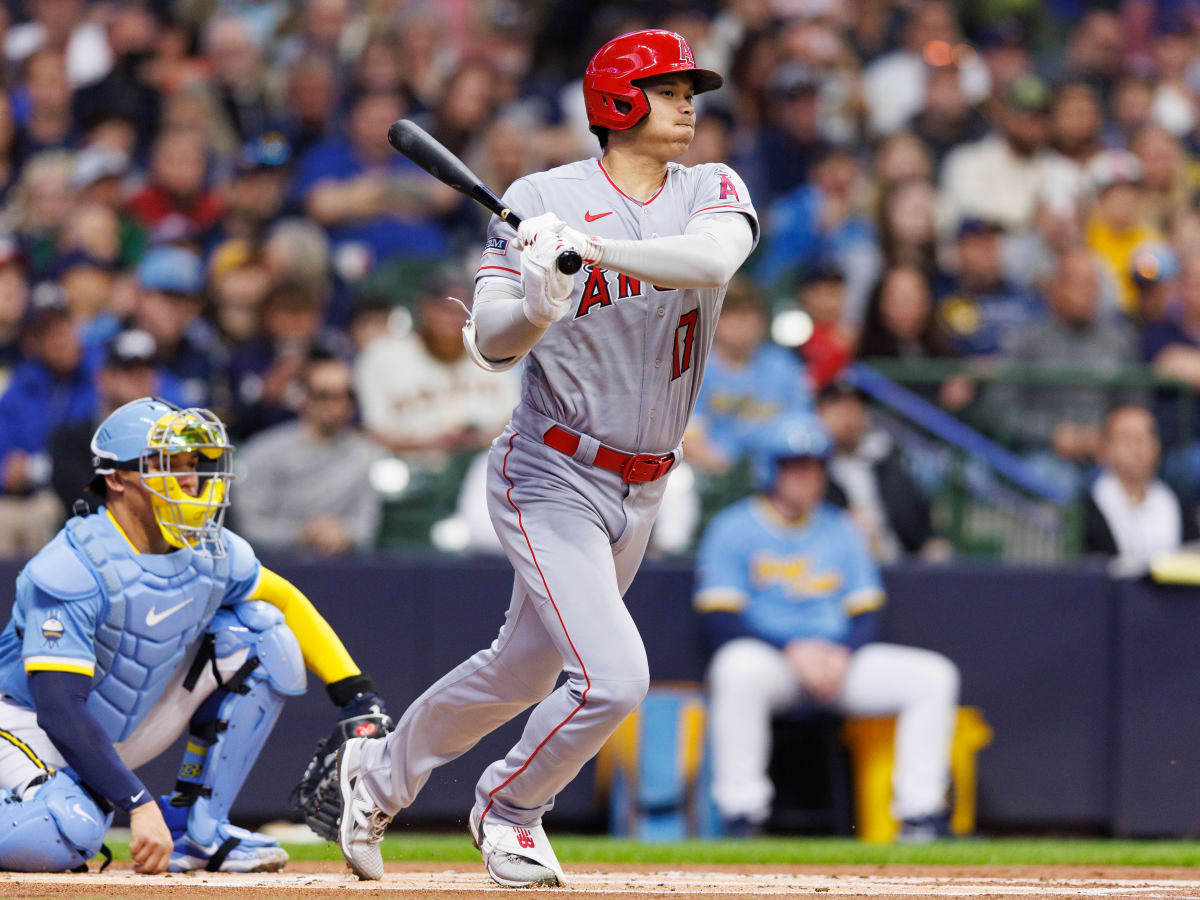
x=52, y=629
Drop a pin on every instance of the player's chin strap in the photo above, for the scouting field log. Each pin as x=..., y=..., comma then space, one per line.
x=468, y=332
x=231, y=726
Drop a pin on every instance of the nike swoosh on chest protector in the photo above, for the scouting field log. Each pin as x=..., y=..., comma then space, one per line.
x=153, y=617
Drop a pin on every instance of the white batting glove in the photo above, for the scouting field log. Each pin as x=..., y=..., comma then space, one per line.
x=546, y=223
x=588, y=246
x=547, y=290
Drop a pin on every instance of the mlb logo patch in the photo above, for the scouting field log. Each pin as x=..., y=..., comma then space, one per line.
x=496, y=245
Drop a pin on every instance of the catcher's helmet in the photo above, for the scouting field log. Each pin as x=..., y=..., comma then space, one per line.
x=792, y=436
x=610, y=91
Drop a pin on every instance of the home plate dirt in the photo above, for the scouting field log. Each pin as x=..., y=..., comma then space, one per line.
x=312, y=881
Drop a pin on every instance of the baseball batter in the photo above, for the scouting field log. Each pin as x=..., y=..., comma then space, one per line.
x=613, y=361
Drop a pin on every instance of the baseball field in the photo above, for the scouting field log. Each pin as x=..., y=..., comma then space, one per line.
x=423, y=865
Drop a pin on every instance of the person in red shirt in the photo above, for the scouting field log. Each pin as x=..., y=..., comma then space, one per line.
x=177, y=203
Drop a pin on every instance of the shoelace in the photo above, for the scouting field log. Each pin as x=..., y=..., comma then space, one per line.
x=377, y=826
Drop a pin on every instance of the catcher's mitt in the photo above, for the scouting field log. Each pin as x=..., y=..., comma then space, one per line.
x=320, y=775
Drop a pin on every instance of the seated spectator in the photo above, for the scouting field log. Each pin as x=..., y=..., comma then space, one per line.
x=48, y=123
x=98, y=183
x=177, y=204
x=1129, y=514
x=421, y=395
x=265, y=372
x=42, y=204
x=867, y=478
x=1074, y=338
x=14, y=302
x=1117, y=227
x=1167, y=187
x=1171, y=344
x=978, y=309
x=822, y=221
x=256, y=193
x=168, y=306
x=788, y=145
x=749, y=381
x=1076, y=123
x=129, y=371
x=790, y=602
x=305, y=484
x=52, y=387
x=238, y=281
x=371, y=199
x=830, y=347
x=900, y=323
x=895, y=85
x=907, y=230
x=947, y=118
x=1003, y=177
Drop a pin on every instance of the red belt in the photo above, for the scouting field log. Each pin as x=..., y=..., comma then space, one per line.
x=632, y=467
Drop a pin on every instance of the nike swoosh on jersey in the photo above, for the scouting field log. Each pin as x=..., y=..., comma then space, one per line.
x=588, y=217
x=153, y=617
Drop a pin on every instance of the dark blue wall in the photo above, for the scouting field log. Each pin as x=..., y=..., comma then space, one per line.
x=1093, y=688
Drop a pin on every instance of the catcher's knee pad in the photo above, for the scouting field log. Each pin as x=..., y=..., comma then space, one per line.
x=229, y=730
x=55, y=826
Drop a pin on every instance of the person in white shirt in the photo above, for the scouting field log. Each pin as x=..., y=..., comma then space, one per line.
x=420, y=394
x=1129, y=514
x=1007, y=175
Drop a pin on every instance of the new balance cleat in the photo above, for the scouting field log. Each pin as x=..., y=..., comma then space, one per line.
x=516, y=856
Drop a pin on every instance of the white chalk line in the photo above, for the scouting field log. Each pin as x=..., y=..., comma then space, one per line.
x=707, y=883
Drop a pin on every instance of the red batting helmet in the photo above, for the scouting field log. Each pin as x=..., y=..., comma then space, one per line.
x=610, y=91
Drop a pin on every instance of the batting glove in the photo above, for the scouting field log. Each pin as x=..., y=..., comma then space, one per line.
x=547, y=290
x=587, y=246
x=539, y=225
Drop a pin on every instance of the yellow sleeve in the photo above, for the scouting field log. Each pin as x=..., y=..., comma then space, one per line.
x=323, y=650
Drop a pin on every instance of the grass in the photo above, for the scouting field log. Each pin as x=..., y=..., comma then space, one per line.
x=790, y=851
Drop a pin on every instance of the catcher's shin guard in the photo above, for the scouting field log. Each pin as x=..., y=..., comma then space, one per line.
x=226, y=735
x=53, y=826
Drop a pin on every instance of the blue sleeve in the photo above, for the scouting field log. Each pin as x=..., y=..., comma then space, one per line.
x=61, y=702
x=243, y=569
x=59, y=634
x=793, y=237
x=1158, y=336
x=792, y=377
x=722, y=569
x=862, y=587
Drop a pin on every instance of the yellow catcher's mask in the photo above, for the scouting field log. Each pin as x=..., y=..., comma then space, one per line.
x=174, y=441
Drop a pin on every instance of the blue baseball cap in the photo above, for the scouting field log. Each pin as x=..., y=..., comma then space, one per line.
x=171, y=270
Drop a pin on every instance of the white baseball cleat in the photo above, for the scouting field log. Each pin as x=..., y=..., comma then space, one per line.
x=362, y=823
x=516, y=857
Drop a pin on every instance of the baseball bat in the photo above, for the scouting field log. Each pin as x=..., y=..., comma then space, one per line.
x=421, y=147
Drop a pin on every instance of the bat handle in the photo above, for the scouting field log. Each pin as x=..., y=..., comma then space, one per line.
x=569, y=261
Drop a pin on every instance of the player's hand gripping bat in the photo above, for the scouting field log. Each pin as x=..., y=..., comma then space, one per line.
x=422, y=148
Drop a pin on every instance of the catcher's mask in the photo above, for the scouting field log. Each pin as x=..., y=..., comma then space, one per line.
x=173, y=440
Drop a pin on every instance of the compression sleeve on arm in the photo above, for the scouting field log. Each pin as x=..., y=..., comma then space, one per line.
x=323, y=650
x=502, y=331
x=706, y=255
x=61, y=701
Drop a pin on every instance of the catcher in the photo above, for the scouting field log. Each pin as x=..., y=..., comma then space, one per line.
x=135, y=622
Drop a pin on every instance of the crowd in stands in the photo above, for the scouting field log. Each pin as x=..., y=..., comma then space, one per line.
x=197, y=200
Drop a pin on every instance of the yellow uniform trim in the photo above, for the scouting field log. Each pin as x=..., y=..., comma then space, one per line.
x=120, y=530
x=59, y=664
x=720, y=600
x=864, y=601
x=24, y=748
x=323, y=650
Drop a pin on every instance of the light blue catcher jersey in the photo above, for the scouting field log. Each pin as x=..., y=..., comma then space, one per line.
x=87, y=603
x=788, y=581
x=734, y=401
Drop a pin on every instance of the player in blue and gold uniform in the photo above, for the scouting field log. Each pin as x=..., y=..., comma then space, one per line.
x=791, y=600
x=134, y=623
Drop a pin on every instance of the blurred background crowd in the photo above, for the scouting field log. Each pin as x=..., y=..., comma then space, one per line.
x=991, y=204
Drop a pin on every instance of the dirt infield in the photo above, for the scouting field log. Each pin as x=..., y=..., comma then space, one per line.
x=320, y=880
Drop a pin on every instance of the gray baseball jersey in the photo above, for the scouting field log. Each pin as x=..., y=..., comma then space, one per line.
x=624, y=367
x=625, y=364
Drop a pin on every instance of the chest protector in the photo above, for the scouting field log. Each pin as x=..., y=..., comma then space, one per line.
x=156, y=606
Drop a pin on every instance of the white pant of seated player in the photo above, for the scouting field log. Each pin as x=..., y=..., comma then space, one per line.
x=750, y=681
x=165, y=722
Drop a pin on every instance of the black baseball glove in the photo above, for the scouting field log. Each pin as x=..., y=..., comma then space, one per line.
x=362, y=715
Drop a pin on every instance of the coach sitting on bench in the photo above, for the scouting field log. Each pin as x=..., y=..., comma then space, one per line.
x=790, y=599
